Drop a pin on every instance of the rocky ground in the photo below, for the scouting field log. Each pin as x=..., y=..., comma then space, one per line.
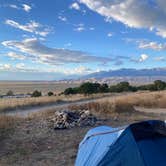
x=35, y=142
x=66, y=119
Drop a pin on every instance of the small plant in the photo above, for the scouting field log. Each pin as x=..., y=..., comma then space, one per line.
x=10, y=93
x=36, y=94
x=50, y=93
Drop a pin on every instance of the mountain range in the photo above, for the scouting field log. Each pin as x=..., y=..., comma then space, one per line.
x=155, y=72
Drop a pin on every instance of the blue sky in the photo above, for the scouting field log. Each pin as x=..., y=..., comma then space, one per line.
x=57, y=39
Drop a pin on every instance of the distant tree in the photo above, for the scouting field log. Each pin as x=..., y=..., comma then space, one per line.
x=104, y=88
x=50, y=93
x=10, y=93
x=69, y=91
x=133, y=88
x=36, y=94
x=159, y=85
x=113, y=88
x=121, y=87
x=89, y=88
x=150, y=87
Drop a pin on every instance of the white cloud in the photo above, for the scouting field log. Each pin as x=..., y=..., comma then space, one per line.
x=75, y=6
x=13, y=6
x=32, y=27
x=91, y=28
x=68, y=45
x=160, y=58
x=81, y=70
x=79, y=27
x=143, y=57
x=62, y=18
x=26, y=7
x=14, y=55
x=110, y=34
x=133, y=13
x=20, y=66
x=152, y=45
x=43, y=54
x=5, y=66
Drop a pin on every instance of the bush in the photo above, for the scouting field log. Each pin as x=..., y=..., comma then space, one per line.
x=50, y=93
x=104, y=88
x=122, y=87
x=36, y=94
x=10, y=93
x=89, y=88
x=69, y=91
x=159, y=85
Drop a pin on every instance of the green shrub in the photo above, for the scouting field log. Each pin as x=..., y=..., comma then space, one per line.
x=50, y=93
x=36, y=94
x=10, y=93
x=90, y=88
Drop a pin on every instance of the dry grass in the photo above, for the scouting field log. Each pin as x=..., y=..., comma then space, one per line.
x=7, y=121
x=33, y=142
x=14, y=103
x=105, y=108
x=17, y=103
x=125, y=104
x=146, y=99
x=7, y=125
x=29, y=86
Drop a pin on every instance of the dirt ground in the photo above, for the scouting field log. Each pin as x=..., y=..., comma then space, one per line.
x=34, y=143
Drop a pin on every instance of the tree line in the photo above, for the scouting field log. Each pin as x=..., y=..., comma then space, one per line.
x=90, y=88
x=35, y=93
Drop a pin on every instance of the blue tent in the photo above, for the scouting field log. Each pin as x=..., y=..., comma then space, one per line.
x=139, y=144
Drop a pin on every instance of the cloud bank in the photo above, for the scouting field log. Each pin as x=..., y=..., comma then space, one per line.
x=152, y=45
x=32, y=27
x=54, y=56
x=133, y=13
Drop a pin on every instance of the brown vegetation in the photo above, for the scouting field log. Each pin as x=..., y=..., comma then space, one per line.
x=146, y=99
x=125, y=104
x=31, y=141
x=15, y=103
x=25, y=87
x=7, y=125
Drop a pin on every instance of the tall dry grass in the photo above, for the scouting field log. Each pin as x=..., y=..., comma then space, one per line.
x=105, y=107
x=15, y=103
x=7, y=125
x=125, y=104
x=147, y=99
x=8, y=121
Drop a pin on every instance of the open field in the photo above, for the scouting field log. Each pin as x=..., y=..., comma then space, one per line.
x=7, y=104
x=138, y=99
x=29, y=87
x=33, y=141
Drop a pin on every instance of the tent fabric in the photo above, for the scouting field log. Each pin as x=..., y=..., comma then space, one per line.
x=92, y=149
x=139, y=144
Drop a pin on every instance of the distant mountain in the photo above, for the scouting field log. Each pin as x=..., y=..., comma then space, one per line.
x=127, y=73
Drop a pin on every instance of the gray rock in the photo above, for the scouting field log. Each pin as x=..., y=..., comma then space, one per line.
x=68, y=119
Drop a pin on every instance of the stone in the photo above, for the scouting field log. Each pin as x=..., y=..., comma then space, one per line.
x=65, y=119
